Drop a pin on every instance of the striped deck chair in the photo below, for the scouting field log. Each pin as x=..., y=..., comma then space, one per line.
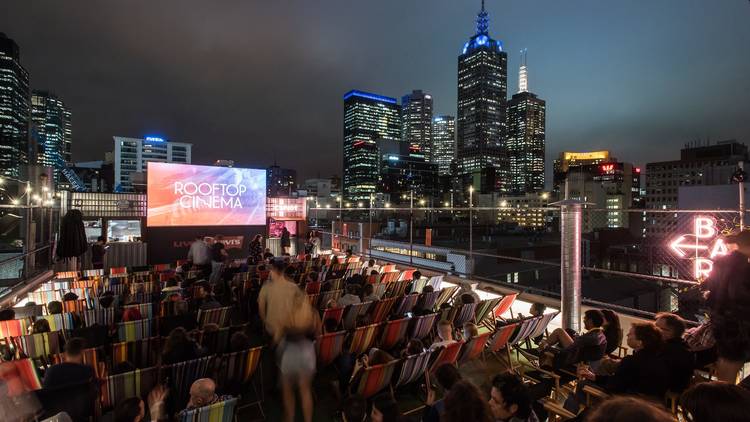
x=381, y=309
x=45, y=296
x=436, y=282
x=396, y=288
x=141, y=353
x=159, y=268
x=241, y=276
x=145, y=309
x=328, y=347
x=334, y=313
x=363, y=338
x=216, y=341
x=445, y=295
x=525, y=328
x=68, y=274
x=118, y=272
x=421, y=326
x=394, y=332
x=412, y=369
x=169, y=308
x=541, y=327
x=465, y=313
x=59, y=321
x=182, y=375
x=101, y=316
x=406, y=304
x=373, y=278
x=40, y=345
x=379, y=289
x=91, y=357
x=336, y=283
x=218, y=316
x=427, y=300
x=390, y=277
x=499, y=339
x=236, y=369
x=223, y=411
x=407, y=274
x=353, y=312
x=93, y=273
x=135, y=330
x=326, y=297
x=418, y=285
x=446, y=355
x=504, y=306
x=313, y=299
x=19, y=377
x=29, y=311
x=138, y=383
x=14, y=327
x=388, y=268
x=474, y=347
x=483, y=311
x=313, y=287
x=75, y=306
x=374, y=379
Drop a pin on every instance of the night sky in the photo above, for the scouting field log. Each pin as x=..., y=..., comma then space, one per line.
x=257, y=81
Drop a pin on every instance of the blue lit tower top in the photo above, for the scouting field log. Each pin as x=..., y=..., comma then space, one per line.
x=482, y=38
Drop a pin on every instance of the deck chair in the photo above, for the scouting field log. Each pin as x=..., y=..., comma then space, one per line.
x=14, y=328
x=334, y=313
x=421, y=326
x=396, y=288
x=158, y=268
x=313, y=287
x=118, y=272
x=483, y=313
x=394, y=332
x=19, y=376
x=406, y=304
x=182, y=375
x=91, y=357
x=223, y=411
x=77, y=306
x=499, y=339
x=435, y=281
x=313, y=299
x=379, y=289
x=474, y=348
x=388, y=268
x=447, y=355
x=142, y=353
x=101, y=316
x=375, y=379
x=427, y=301
x=218, y=316
x=412, y=369
x=237, y=369
x=40, y=345
x=505, y=304
x=59, y=321
x=363, y=338
x=381, y=309
x=464, y=313
x=446, y=294
x=326, y=297
x=328, y=347
x=407, y=274
x=352, y=312
x=145, y=309
x=138, y=383
x=418, y=285
x=135, y=330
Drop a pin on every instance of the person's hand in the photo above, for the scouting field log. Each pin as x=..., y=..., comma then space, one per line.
x=585, y=373
x=430, y=396
x=157, y=395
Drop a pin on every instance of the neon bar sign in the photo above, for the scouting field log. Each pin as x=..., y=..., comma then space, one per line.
x=701, y=246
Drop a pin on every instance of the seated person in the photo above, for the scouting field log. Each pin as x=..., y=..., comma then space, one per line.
x=374, y=357
x=612, y=330
x=445, y=333
x=368, y=293
x=330, y=325
x=510, y=399
x=203, y=297
x=202, y=393
x=413, y=347
x=370, y=267
x=355, y=409
x=54, y=308
x=465, y=299
x=171, y=290
x=351, y=297
x=71, y=370
x=133, y=409
x=179, y=347
x=587, y=347
x=40, y=326
x=680, y=361
x=446, y=376
x=410, y=285
x=470, y=331
x=467, y=289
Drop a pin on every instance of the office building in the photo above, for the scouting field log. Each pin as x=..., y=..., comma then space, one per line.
x=404, y=171
x=96, y=176
x=443, y=143
x=416, y=122
x=699, y=165
x=570, y=159
x=367, y=119
x=54, y=136
x=526, y=137
x=280, y=182
x=131, y=156
x=14, y=110
x=528, y=211
x=482, y=105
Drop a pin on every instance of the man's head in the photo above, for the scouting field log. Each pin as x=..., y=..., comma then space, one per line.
x=130, y=410
x=428, y=289
x=416, y=276
x=355, y=409
x=445, y=330
x=70, y=296
x=670, y=325
x=369, y=289
x=74, y=350
x=447, y=375
x=202, y=392
x=593, y=318
x=7, y=314
x=54, y=307
x=509, y=397
x=371, y=263
x=537, y=309
x=644, y=336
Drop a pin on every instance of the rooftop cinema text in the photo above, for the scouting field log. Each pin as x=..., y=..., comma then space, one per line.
x=209, y=195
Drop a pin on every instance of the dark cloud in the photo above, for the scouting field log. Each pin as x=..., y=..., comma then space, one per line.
x=258, y=81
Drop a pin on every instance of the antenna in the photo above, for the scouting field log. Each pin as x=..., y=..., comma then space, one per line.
x=523, y=77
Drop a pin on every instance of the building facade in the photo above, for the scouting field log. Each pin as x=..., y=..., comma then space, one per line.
x=526, y=137
x=443, y=143
x=280, y=182
x=481, y=108
x=131, y=156
x=367, y=119
x=570, y=159
x=52, y=121
x=402, y=175
x=15, y=109
x=416, y=122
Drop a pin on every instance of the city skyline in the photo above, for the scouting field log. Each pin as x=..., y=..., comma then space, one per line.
x=615, y=76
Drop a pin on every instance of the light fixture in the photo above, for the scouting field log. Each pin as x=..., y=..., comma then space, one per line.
x=422, y=202
x=14, y=202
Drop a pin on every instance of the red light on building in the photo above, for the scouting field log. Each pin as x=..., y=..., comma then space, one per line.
x=358, y=144
x=637, y=169
x=608, y=168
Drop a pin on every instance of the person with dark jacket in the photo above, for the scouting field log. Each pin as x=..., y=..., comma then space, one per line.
x=72, y=370
x=286, y=242
x=98, y=250
x=179, y=348
x=587, y=347
x=680, y=361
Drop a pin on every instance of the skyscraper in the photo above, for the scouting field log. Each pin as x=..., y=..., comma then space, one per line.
x=367, y=119
x=52, y=121
x=132, y=155
x=526, y=125
x=14, y=109
x=482, y=94
x=443, y=143
x=416, y=120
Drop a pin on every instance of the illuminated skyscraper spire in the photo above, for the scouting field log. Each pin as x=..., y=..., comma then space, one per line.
x=523, y=81
x=482, y=21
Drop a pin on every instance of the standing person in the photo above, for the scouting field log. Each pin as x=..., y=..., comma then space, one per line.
x=292, y=323
x=315, y=241
x=219, y=257
x=200, y=255
x=286, y=242
x=256, y=250
x=98, y=250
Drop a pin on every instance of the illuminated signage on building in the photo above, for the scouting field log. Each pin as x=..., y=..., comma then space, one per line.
x=154, y=139
x=701, y=247
x=286, y=208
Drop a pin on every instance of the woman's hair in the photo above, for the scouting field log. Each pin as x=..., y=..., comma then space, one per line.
x=447, y=375
x=414, y=347
x=674, y=322
x=464, y=402
x=127, y=410
x=176, y=340
x=41, y=326
x=378, y=357
x=388, y=407
x=595, y=316
x=649, y=335
x=239, y=342
x=716, y=401
x=470, y=326
x=611, y=318
x=257, y=238
x=628, y=409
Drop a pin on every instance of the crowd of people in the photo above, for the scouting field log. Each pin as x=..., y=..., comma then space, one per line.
x=277, y=311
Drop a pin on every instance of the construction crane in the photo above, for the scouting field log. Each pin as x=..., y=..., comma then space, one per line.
x=59, y=163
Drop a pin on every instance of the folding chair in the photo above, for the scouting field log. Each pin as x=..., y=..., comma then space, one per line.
x=412, y=369
x=118, y=272
x=313, y=299
x=77, y=306
x=436, y=282
x=379, y=289
x=421, y=326
x=41, y=345
x=446, y=355
x=394, y=332
x=474, y=348
x=333, y=313
x=59, y=322
x=142, y=353
x=406, y=304
x=483, y=315
x=223, y=411
x=407, y=274
x=19, y=377
x=158, y=268
x=145, y=309
x=465, y=313
x=134, y=330
x=236, y=370
x=218, y=316
x=182, y=375
x=396, y=288
x=375, y=378
x=381, y=309
x=362, y=339
x=138, y=383
x=326, y=297
x=101, y=316
x=14, y=328
x=445, y=295
x=427, y=301
x=353, y=312
x=329, y=346
x=504, y=306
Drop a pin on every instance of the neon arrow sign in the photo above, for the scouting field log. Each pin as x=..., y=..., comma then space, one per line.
x=703, y=245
